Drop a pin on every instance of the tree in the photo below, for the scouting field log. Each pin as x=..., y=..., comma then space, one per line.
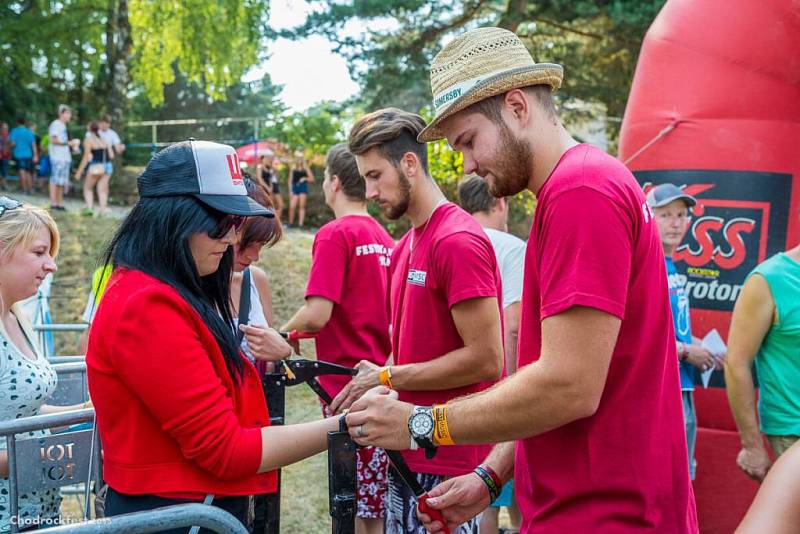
x=597, y=41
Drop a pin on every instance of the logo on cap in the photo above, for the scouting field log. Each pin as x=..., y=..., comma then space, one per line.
x=235, y=170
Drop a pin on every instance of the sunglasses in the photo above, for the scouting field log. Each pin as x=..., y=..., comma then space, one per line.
x=225, y=225
x=8, y=204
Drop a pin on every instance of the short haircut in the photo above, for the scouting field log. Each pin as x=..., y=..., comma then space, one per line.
x=490, y=107
x=265, y=230
x=474, y=196
x=106, y=118
x=342, y=163
x=21, y=120
x=393, y=132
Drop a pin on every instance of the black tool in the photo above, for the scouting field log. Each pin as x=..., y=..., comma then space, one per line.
x=299, y=371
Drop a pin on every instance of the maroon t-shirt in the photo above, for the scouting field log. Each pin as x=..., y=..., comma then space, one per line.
x=452, y=261
x=625, y=469
x=350, y=267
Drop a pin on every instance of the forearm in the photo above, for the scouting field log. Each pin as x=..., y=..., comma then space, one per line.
x=3, y=464
x=47, y=409
x=304, y=321
x=501, y=460
x=742, y=398
x=531, y=401
x=462, y=367
x=511, y=352
x=285, y=445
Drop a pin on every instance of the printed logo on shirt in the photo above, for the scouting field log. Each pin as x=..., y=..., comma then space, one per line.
x=376, y=248
x=677, y=282
x=416, y=277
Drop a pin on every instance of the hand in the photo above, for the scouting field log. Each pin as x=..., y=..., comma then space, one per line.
x=266, y=343
x=367, y=378
x=36, y=159
x=77, y=175
x=699, y=357
x=295, y=344
x=754, y=461
x=380, y=420
x=459, y=499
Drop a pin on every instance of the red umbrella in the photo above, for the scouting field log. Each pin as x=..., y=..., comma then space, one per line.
x=249, y=154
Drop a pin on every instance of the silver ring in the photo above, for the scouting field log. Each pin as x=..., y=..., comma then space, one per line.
x=360, y=431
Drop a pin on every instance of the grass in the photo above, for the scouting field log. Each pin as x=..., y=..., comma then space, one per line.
x=304, y=499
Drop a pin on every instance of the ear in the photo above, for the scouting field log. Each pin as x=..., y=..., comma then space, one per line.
x=517, y=108
x=409, y=164
x=336, y=182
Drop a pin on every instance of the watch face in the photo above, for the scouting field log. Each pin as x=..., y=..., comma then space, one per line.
x=422, y=424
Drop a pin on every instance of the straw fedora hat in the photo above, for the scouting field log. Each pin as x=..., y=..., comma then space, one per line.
x=478, y=64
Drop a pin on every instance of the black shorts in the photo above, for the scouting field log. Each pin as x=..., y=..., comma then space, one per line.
x=25, y=164
x=276, y=188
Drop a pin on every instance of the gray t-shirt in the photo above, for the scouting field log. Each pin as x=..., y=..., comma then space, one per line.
x=25, y=385
x=510, y=253
x=58, y=152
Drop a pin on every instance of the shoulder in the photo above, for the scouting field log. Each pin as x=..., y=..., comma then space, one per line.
x=259, y=277
x=589, y=170
x=134, y=292
x=455, y=225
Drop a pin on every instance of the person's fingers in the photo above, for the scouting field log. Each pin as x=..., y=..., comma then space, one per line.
x=336, y=403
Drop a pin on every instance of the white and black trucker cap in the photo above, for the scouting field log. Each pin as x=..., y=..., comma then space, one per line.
x=207, y=171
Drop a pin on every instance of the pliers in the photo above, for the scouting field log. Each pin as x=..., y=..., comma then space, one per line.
x=299, y=371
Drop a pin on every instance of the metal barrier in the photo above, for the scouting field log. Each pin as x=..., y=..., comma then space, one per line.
x=50, y=461
x=178, y=516
x=66, y=359
x=72, y=387
x=45, y=331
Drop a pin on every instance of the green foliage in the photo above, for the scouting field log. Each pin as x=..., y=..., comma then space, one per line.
x=314, y=130
x=597, y=41
x=211, y=43
x=44, y=61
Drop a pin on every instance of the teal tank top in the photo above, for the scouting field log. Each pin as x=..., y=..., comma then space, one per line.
x=778, y=358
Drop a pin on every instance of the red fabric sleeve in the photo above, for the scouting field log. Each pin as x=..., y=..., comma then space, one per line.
x=586, y=248
x=465, y=267
x=170, y=371
x=328, y=265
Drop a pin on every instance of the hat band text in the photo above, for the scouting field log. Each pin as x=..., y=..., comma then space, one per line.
x=455, y=91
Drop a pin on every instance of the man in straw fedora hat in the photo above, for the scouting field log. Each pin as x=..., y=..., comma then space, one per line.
x=445, y=305
x=594, y=407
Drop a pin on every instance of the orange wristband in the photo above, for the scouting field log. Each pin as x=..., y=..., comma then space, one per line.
x=441, y=433
x=385, y=376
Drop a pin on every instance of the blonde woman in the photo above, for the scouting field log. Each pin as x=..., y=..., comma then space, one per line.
x=28, y=247
x=97, y=156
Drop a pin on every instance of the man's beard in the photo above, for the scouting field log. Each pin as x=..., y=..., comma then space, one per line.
x=514, y=161
x=400, y=209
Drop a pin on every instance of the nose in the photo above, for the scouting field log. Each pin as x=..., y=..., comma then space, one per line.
x=50, y=265
x=372, y=191
x=470, y=165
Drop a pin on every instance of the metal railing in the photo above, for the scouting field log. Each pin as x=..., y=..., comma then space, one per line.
x=49, y=461
x=170, y=517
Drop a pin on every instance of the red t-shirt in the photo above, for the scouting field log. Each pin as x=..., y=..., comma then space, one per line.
x=594, y=243
x=350, y=267
x=452, y=261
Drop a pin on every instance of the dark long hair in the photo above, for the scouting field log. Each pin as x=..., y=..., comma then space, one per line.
x=154, y=239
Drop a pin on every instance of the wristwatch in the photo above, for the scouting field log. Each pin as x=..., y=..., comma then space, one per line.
x=420, y=426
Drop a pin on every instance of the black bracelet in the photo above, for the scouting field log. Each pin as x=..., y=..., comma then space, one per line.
x=491, y=484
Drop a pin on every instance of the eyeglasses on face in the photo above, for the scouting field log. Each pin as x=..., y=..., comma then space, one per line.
x=225, y=225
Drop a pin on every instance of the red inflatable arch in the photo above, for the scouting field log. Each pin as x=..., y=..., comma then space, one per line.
x=715, y=108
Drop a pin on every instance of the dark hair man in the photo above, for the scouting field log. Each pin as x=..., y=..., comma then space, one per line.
x=595, y=401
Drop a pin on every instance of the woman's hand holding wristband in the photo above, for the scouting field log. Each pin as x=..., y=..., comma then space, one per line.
x=441, y=432
x=492, y=481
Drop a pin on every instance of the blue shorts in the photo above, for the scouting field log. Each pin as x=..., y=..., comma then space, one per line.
x=25, y=164
x=300, y=189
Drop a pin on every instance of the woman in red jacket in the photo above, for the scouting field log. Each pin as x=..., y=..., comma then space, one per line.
x=181, y=413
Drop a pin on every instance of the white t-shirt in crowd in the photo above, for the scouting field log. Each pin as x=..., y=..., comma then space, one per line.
x=109, y=136
x=58, y=152
x=510, y=253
